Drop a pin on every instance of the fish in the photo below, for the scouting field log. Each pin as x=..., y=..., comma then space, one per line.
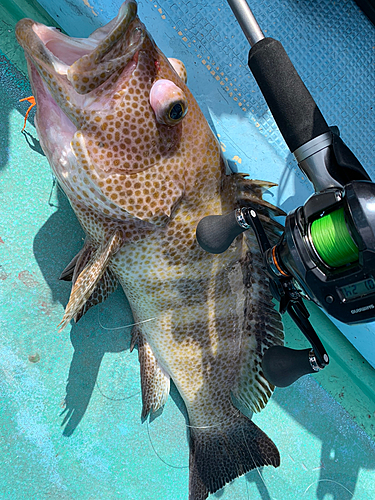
x=140, y=165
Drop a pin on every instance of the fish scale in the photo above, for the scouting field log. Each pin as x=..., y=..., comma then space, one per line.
x=139, y=178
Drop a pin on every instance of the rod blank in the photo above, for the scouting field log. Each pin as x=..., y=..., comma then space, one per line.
x=246, y=20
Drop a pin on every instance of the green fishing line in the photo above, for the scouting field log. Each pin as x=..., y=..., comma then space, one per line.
x=332, y=239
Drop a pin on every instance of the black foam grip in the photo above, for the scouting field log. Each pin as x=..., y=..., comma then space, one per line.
x=216, y=232
x=295, y=111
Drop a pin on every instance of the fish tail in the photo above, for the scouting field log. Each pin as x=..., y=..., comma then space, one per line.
x=219, y=455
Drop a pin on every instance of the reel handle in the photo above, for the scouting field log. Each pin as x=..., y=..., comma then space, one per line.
x=215, y=233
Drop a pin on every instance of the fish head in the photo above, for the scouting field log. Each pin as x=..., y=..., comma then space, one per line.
x=114, y=118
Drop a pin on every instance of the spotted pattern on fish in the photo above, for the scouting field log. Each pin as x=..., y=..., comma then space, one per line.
x=109, y=57
x=179, y=68
x=139, y=188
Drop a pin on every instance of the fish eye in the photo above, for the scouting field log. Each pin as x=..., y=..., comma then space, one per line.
x=176, y=111
x=168, y=102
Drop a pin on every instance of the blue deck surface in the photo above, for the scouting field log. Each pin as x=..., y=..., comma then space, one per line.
x=70, y=422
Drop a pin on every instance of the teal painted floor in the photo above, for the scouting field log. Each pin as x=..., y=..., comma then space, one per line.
x=70, y=422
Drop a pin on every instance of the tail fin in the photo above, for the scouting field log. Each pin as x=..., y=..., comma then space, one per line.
x=219, y=455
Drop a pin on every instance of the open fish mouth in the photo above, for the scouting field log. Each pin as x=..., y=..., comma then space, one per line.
x=86, y=63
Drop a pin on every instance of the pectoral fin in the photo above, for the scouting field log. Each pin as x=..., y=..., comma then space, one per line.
x=105, y=286
x=95, y=281
x=154, y=381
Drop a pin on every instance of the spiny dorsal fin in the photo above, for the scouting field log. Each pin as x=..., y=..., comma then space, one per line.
x=250, y=191
x=256, y=186
x=249, y=194
x=89, y=278
x=249, y=199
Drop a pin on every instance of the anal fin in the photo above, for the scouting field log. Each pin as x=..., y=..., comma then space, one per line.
x=219, y=455
x=155, y=382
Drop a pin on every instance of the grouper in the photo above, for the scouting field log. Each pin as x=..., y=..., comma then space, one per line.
x=141, y=167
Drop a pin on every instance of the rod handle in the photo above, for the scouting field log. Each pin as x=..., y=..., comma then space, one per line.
x=292, y=106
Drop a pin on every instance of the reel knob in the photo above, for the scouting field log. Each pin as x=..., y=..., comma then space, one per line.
x=216, y=232
x=282, y=366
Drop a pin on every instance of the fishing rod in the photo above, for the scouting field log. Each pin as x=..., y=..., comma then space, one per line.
x=327, y=250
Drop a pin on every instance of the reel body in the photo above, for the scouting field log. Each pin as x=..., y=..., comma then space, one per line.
x=341, y=280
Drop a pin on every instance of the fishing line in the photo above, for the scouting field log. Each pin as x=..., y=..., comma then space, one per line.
x=116, y=399
x=128, y=397
x=328, y=481
x=51, y=192
x=157, y=454
x=217, y=426
x=125, y=326
x=247, y=488
x=332, y=239
x=128, y=355
x=256, y=467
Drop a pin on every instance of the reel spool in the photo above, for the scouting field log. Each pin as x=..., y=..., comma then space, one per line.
x=332, y=240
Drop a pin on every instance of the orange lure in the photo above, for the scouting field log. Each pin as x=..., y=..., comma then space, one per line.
x=32, y=102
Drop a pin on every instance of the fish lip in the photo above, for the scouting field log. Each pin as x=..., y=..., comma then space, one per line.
x=39, y=40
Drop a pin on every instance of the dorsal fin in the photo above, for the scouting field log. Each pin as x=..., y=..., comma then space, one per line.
x=90, y=277
x=249, y=193
x=179, y=68
x=262, y=325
